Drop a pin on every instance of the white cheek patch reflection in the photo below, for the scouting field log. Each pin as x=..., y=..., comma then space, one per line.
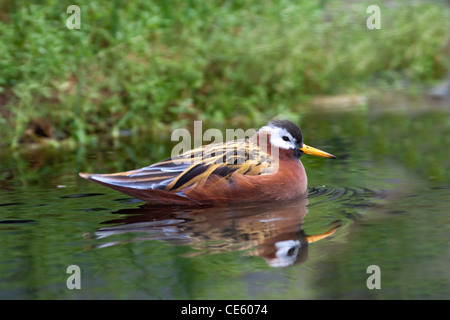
x=286, y=254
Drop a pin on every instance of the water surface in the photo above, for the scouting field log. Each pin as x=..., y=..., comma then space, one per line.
x=384, y=202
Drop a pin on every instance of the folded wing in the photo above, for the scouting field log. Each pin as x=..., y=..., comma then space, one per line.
x=181, y=172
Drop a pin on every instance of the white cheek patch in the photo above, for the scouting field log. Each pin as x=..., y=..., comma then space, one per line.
x=276, y=137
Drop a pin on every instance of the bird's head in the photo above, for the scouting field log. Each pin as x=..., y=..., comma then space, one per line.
x=286, y=135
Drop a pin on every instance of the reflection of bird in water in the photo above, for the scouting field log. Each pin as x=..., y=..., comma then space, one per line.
x=272, y=231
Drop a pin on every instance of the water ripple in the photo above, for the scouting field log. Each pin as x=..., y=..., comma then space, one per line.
x=354, y=196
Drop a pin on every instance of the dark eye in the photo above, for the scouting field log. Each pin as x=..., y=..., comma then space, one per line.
x=285, y=138
x=291, y=251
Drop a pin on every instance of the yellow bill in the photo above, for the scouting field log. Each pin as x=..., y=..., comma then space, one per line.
x=316, y=152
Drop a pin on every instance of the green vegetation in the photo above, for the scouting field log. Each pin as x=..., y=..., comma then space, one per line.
x=159, y=64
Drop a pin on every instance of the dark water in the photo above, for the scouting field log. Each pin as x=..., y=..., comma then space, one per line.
x=385, y=202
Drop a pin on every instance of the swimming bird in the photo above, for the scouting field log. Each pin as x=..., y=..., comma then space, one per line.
x=264, y=167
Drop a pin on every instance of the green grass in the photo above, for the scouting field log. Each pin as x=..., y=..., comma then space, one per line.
x=143, y=65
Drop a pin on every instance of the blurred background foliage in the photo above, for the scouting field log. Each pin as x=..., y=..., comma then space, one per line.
x=157, y=65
